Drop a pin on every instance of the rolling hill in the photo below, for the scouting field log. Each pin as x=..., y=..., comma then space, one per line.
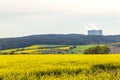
x=56, y=39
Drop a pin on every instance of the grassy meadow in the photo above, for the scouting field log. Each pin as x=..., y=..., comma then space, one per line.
x=60, y=67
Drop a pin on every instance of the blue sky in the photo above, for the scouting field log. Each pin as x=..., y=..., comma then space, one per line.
x=30, y=17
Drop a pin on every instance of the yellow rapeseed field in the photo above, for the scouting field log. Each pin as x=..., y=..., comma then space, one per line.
x=60, y=67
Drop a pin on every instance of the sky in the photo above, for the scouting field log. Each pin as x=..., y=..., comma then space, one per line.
x=33, y=17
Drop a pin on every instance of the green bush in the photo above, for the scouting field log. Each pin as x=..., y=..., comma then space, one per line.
x=98, y=50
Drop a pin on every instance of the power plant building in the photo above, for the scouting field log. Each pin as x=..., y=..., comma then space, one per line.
x=95, y=32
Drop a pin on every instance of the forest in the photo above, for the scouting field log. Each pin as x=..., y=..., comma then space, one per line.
x=56, y=39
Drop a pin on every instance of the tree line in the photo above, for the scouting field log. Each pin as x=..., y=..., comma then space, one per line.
x=56, y=39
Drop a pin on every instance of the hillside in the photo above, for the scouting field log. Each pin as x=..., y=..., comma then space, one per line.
x=48, y=49
x=56, y=39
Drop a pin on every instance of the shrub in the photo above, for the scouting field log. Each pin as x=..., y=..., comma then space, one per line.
x=98, y=50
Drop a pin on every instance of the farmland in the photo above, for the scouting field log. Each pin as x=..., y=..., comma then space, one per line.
x=48, y=49
x=60, y=67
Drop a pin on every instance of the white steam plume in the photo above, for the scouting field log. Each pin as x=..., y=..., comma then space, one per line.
x=87, y=28
x=91, y=26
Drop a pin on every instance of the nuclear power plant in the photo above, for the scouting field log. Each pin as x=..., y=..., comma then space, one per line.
x=93, y=29
x=95, y=32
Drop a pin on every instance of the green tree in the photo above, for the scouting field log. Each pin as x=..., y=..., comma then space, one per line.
x=98, y=50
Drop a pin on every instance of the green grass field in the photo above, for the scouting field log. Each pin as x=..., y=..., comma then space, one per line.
x=80, y=48
x=60, y=67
